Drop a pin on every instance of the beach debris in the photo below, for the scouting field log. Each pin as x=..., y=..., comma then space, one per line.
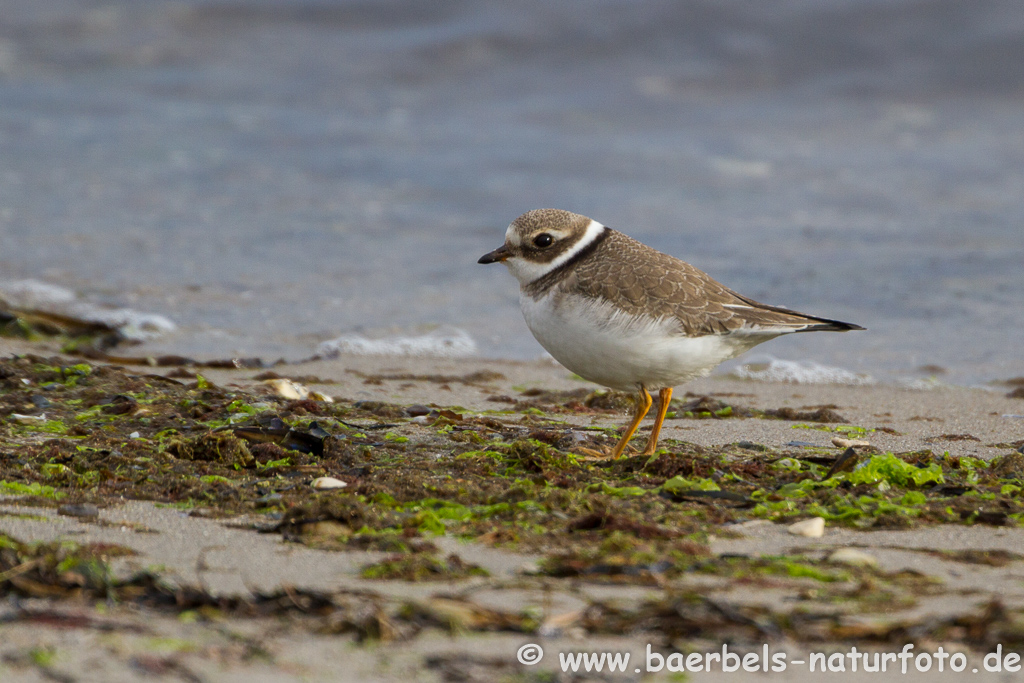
x=121, y=404
x=581, y=400
x=291, y=390
x=461, y=615
x=326, y=483
x=28, y=419
x=844, y=463
x=680, y=494
x=992, y=558
x=221, y=447
x=476, y=378
x=41, y=402
x=809, y=528
x=951, y=437
x=849, y=443
x=275, y=431
x=825, y=414
x=853, y=557
x=423, y=566
x=1010, y=466
x=174, y=361
x=707, y=407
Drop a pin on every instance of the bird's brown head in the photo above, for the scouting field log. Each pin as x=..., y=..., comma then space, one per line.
x=535, y=241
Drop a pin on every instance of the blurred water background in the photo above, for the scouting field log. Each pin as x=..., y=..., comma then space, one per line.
x=271, y=174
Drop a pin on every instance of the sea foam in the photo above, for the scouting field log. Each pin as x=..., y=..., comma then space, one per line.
x=800, y=372
x=445, y=342
x=33, y=295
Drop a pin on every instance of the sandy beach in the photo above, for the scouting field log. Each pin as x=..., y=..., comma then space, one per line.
x=281, y=588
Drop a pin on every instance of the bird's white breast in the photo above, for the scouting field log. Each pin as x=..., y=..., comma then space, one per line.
x=605, y=345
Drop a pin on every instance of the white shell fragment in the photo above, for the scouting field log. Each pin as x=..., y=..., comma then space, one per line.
x=28, y=419
x=323, y=483
x=293, y=391
x=285, y=388
x=810, y=528
x=853, y=557
x=848, y=443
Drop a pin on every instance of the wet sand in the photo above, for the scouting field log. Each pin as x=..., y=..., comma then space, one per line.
x=83, y=641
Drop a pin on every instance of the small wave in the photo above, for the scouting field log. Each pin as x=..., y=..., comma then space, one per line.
x=800, y=372
x=442, y=343
x=33, y=295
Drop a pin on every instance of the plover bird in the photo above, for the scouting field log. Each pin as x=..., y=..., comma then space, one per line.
x=621, y=314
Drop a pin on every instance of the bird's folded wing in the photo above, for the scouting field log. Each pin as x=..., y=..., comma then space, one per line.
x=643, y=281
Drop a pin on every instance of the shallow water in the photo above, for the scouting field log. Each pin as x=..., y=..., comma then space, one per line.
x=271, y=175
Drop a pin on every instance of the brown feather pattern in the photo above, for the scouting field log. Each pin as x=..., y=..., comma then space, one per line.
x=640, y=280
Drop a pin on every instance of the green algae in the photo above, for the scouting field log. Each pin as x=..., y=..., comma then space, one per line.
x=423, y=567
x=507, y=480
x=33, y=489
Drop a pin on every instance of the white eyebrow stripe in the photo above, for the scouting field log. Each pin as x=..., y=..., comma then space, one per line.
x=589, y=235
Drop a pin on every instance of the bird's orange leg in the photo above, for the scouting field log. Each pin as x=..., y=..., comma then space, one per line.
x=665, y=395
x=643, y=404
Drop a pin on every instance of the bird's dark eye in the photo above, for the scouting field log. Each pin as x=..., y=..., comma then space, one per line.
x=543, y=240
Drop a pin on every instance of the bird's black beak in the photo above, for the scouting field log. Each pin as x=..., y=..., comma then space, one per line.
x=499, y=254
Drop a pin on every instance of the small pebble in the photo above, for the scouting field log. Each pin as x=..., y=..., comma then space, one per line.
x=134, y=435
x=328, y=483
x=853, y=557
x=811, y=528
x=849, y=443
x=417, y=409
x=40, y=402
x=86, y=510
x=421, y=419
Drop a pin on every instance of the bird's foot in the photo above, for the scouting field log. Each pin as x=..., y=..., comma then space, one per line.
x=598, y=453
